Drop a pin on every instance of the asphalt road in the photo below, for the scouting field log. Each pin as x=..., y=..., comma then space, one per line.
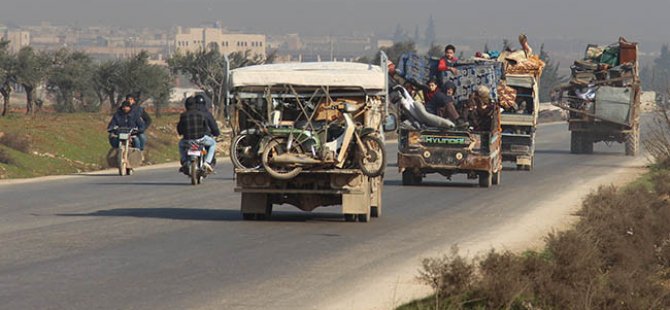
x=153, y=241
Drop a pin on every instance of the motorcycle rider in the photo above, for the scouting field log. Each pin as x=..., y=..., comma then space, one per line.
x=124, y=117
x=142, y=113
x=194, y=124
x=203, y=106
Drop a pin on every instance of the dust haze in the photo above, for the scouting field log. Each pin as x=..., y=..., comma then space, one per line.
x=575, y=19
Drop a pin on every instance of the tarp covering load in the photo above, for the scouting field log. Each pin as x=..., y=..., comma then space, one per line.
x=333, y=74
x=603, y=84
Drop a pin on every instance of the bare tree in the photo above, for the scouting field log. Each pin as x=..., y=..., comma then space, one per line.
x=206, y=70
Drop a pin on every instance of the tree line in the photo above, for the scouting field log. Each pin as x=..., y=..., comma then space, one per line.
x=77, y=82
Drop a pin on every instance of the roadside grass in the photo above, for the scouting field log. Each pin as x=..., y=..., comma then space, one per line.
x=51, y=144
x=617, y=256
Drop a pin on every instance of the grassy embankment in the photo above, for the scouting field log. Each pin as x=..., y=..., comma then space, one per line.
x=616, y=257
x=51, y=144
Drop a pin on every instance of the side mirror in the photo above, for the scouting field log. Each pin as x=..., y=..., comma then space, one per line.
x=390, y=123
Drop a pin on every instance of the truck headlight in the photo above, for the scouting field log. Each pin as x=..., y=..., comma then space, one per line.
x=414, y=138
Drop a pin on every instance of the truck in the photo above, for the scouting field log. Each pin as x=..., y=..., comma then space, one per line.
x=427, y=150
x=603, y=98
x=518, y=129
x=301, y=113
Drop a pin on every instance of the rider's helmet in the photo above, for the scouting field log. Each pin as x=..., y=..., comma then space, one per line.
x=200, y=100
x=190, y=103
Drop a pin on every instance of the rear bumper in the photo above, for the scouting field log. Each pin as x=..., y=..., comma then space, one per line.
x=470, y=162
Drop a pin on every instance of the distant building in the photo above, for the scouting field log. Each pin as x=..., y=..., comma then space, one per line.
x=17, y=39
x=196, y=39
x=384, y=43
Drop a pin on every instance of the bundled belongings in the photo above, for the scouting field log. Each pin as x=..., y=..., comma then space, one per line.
x=602, y=84
x=507, y=97
x=616, y=61
x=522, y=61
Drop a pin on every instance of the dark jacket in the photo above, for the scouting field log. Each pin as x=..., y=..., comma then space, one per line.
x=195, y=124
x=129, y=120
x=210, y=119
x=480, y=116
x=142, y=113
x=442, y=105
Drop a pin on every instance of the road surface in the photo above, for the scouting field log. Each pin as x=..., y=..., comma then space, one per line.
x=153, y=241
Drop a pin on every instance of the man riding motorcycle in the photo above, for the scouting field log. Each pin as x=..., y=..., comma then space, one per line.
x=196, y=125
x=142, y=113
x=124, y=117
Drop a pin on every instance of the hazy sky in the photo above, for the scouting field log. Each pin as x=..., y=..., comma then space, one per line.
x=583, y=19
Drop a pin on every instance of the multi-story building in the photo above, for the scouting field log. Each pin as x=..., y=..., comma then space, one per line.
x=196, y=39
x=17, y=39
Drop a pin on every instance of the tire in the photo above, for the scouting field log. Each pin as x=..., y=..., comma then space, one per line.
x=120, y=162
x=632, y=143
x=239, y=149
x=497, y=178
x=364, y=218
x=375, y=212
x=373, y=166
x=576, y=142
x=485, y=179
x=350, y=217
x=193, y=172
x=276, y=147
x=587, y=144
x=407, y=178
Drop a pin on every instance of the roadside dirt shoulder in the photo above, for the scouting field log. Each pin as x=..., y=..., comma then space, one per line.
x=556, y=213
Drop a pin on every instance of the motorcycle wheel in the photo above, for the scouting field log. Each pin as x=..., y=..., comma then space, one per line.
x=274, y=148
x=372, y=160
x=194, y=172
x=121, y=162
x=244, y=151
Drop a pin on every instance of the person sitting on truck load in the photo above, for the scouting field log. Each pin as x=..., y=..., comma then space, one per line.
x=436, y=101
x=415, y=112
x=480, y=109
x=417, y=94
x=448, y=61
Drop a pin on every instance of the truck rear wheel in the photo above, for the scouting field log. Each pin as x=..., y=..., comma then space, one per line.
x=411, y=178
x=632, y=143
x=587, y=144
x=364, y=218
x=485, y=179
x=497, y=178
x=576, y=142
x=350, y=217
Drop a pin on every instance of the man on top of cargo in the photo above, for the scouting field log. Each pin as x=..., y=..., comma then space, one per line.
x=448, y=61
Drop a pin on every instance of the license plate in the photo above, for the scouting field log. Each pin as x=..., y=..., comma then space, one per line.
x=193, y=152
x=123, y=136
